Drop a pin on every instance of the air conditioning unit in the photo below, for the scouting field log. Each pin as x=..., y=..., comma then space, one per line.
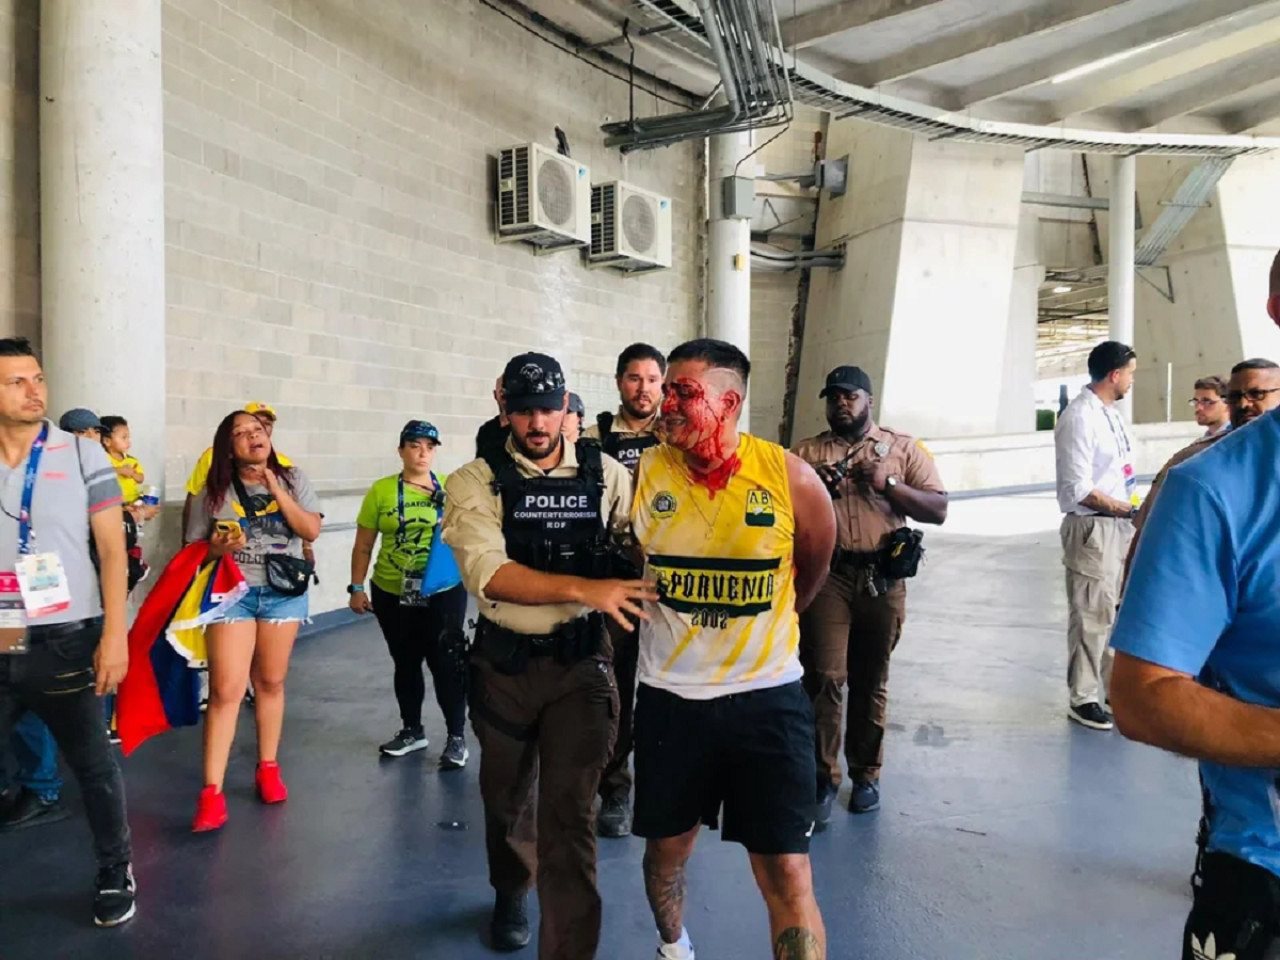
x=543, y=198
x=630, y=228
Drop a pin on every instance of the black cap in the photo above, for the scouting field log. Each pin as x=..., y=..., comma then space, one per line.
x=533, y=381
x=419, y=430
x=846, y=378
x=79, y=420
x=575, y=405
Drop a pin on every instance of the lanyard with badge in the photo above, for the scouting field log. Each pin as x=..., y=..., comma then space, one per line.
x=1122, y=444
x=37, y=586
x=412, y=578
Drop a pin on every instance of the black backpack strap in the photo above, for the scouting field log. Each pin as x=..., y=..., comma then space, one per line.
x=591, y=464
x=500, y=465
x=604, y=423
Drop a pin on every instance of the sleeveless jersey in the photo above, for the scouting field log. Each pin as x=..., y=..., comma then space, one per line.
x=726, y=619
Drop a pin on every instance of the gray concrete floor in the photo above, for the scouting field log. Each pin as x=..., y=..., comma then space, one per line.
x=1005, y=831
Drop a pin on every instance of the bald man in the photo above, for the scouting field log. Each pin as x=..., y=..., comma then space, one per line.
x=1197, y=671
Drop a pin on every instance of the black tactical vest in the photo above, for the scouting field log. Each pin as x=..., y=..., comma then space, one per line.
x=554, y=524
x=626, y=450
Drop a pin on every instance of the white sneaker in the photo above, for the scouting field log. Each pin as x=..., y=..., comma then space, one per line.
x=674, y=951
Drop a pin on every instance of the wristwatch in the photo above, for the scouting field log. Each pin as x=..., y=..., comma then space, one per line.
x=890, y=483
x=355, y=588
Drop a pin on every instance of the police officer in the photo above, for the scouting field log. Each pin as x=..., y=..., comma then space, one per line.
x=530, y=524
x=878, y=478
x=625, y=436
x=573, y=421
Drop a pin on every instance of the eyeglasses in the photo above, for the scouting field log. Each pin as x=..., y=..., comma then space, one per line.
x=1256, y=395
x=1204, y=401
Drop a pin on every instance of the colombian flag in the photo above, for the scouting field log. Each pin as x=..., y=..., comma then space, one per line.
x=161, y=691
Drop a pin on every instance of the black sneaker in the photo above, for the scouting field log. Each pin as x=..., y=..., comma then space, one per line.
x=1090, y=715
x=28, y=809
x=116, y=900
x=614, y=819
x=826, y=798
x=865, y=797
x=406, y=741
x=509, y=928
x=455, y=753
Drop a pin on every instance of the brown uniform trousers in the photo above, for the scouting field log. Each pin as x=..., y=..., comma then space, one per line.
x=548, y=729
x=616, y=778
x=847, y=635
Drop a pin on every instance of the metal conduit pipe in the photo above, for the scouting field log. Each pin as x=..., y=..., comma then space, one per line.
x=727, y=81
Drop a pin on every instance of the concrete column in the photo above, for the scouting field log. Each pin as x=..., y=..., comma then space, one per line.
x=1121, y=245
x=923, y=301
x=1218, y=267
x=1017, y=410
x=729, y=250
x=102, y=214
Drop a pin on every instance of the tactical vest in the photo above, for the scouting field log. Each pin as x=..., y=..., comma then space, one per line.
x=626, y=450
x=554, y=524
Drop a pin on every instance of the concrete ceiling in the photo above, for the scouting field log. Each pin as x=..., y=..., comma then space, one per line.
x=1123, y=68
x=1193, y=66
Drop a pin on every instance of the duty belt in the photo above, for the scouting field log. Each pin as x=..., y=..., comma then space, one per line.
x=869, y=565
x=855, y=558
x=509, y=652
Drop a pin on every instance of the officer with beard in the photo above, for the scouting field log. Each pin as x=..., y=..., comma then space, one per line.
x=878, y=478
x=531, y=524
x=625, y=436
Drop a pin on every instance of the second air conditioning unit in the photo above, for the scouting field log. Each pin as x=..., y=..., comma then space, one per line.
x=543, y=198
x=630, y=228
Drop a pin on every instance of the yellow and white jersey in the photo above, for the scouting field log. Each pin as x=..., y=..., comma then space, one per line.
x=726, y=621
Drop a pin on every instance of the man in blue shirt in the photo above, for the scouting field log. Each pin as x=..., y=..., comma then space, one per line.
x=1197, y=670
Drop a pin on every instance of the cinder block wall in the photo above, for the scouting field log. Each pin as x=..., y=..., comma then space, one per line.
x=329, y=239
x=329, y=224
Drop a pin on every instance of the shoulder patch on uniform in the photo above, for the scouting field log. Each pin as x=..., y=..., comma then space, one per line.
x=925, y=450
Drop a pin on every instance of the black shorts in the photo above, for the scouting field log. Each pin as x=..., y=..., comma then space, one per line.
x=750, y=753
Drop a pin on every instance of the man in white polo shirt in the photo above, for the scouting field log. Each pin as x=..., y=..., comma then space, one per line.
x=63, y=628
x=1097, y=493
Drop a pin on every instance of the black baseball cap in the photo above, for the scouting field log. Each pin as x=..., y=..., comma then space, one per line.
x=576, y=405
x=533, y=381
x=419, y=430
x=79, y=420
x=847, y=378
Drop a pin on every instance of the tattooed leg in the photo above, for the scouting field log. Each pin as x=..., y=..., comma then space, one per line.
x=794, y=921
x=664, y=882
x=796, y=943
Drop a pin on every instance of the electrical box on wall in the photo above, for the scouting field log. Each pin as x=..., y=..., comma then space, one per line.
x=738, y=198
x=543, y=199
x=630, y=228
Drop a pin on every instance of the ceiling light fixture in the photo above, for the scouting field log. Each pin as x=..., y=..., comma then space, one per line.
x=1061, y=289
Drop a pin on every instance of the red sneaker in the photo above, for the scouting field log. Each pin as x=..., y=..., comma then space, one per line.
x=271, y=788
x=211, y=810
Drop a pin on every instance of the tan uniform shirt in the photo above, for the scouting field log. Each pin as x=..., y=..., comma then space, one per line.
x=864, y=518
x=1186, y=453
x=473, y=528
x=619, y=426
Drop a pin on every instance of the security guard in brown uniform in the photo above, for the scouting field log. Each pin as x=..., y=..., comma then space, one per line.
x=530, y=524
x=878, y=478
x=625, y=436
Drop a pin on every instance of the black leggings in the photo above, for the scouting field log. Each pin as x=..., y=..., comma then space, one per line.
x=432, y=633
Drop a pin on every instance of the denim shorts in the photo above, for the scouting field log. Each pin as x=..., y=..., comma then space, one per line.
x=265, y=604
